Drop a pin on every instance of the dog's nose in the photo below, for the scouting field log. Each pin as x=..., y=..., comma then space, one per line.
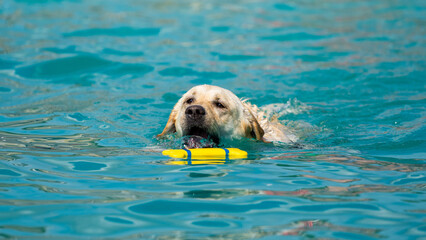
x=195, y=112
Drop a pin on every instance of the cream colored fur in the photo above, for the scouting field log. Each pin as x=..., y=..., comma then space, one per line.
x=237, y=119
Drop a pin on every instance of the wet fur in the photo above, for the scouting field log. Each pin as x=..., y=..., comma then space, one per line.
x=238, y=118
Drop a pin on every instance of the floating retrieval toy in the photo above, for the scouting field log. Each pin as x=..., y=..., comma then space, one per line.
x=206, y=153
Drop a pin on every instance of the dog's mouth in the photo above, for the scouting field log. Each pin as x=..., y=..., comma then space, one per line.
x=197, y=137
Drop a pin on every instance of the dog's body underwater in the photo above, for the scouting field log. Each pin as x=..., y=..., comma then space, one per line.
x=214, y=113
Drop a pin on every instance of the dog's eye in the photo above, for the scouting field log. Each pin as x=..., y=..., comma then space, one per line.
x=219, y=105
x=190, y=100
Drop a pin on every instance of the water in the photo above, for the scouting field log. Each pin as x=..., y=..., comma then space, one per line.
x=85, y=85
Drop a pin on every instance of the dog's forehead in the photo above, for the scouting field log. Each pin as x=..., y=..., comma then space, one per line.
x=210, y=92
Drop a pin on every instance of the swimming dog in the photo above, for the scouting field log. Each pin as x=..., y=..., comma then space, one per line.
x=214, y=113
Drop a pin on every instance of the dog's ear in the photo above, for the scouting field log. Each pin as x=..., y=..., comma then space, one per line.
x=254, y=129
x=170, y=125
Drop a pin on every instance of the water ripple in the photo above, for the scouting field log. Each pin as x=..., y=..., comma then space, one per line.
x=293, y=37
x=116, y=32
x=161, y=207
x=182, y=72
x=78, y=65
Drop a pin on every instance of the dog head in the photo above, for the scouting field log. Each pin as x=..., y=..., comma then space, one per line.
x=212, y=112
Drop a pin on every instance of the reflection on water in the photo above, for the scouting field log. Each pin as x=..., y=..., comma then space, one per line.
x=85, y=87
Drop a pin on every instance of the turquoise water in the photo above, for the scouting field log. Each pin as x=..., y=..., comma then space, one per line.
x=85, y=86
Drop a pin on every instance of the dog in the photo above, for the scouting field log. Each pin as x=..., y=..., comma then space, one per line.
x=214, y=113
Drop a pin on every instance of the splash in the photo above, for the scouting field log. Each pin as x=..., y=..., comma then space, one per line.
x=292, y=106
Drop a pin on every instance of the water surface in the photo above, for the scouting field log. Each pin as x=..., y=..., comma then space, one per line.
x=86, y=85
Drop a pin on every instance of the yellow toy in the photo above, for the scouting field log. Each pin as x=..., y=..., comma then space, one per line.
x=206, y=153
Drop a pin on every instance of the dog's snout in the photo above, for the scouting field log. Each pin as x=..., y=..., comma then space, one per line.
x=195, y=112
